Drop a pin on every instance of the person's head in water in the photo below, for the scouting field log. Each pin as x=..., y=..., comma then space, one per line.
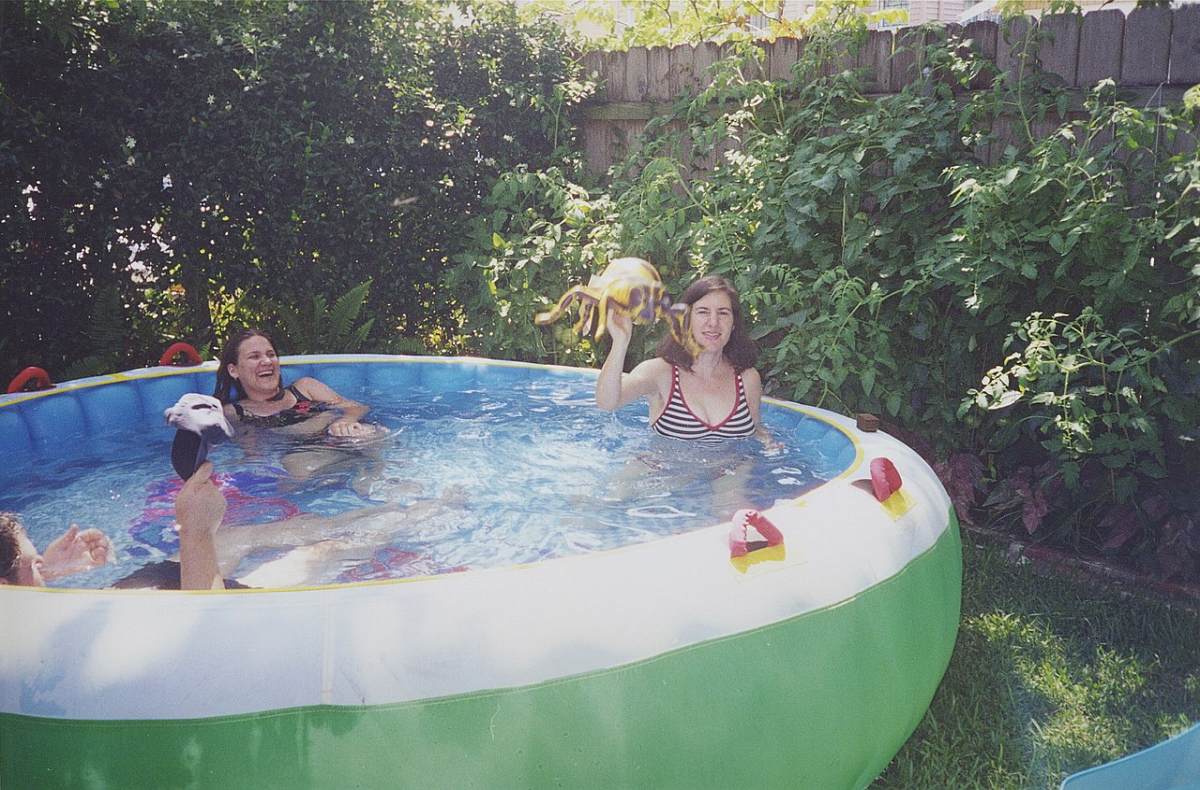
x=715, y=321
x=249, y=364
x=20, y=562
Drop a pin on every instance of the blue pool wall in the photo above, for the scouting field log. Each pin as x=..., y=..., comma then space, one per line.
x=58, y=423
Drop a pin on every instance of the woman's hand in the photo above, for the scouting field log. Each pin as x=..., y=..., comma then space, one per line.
x=200, y=506
x=771, y=445
x=620, y=328
x=75, y=551
x=350, y=429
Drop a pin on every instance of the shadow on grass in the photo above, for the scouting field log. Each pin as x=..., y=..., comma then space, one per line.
x=1049, y=676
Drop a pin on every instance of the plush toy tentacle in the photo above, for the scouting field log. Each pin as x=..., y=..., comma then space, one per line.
x=576, y=294
x=602, y=320
x=587, y=313
x=679, y=319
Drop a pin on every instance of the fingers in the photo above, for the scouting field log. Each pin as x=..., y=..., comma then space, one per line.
x=203, y=473
x=99, y=549
x=201, y=476
x=71, y=532
x=349, y=429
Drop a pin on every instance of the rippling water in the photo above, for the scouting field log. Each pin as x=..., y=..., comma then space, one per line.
x=470, y=478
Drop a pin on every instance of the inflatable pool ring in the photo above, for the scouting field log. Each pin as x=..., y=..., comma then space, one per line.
x=632, y=667
x=30, y=378
x=177, y=351
x=631, y=287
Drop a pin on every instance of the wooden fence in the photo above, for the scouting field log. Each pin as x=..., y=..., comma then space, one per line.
x=1153, y=55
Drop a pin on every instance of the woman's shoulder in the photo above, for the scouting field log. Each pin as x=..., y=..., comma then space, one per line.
x=751, y=381
x=750, y=376
x=307, y=387
x=315, y=389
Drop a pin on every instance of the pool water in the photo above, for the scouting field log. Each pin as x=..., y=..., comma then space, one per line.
x=465, y=478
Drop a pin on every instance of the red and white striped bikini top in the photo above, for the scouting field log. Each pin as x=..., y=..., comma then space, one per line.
x=678, y=421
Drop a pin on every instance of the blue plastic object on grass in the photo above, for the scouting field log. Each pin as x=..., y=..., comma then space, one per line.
x=1173, y=764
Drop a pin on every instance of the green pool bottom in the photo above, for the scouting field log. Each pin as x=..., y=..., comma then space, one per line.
x=822, y=700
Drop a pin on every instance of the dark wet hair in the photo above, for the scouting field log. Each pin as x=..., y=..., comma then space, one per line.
x=10, y=546
x=741, y=351
x=228, y=389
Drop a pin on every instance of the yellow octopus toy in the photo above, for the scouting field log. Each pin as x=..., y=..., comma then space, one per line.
x=629, y=286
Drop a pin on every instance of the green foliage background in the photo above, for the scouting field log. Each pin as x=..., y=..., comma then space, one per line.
x=170, y=167
x=1029, y=320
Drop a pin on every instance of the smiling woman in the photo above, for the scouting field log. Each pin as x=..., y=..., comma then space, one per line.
x=251, y=387
x=713, y=395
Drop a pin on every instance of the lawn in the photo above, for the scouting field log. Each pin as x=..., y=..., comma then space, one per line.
x=1050, y=676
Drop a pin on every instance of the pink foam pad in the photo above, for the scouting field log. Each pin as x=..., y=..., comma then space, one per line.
x=885, y=480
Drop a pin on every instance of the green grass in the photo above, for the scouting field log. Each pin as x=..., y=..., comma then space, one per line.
x=1050, y=676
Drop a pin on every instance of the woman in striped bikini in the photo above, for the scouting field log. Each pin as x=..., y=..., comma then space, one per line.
x=716, y=396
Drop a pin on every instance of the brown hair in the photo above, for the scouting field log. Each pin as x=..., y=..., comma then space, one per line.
x=741, y=351
x=228, y=389
x=10, y=546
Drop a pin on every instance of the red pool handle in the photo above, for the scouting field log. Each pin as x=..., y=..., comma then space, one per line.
x=175, y=349
x=39, y=378
x=738, y=543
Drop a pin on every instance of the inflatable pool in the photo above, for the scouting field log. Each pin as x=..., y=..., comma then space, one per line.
x=693, y=660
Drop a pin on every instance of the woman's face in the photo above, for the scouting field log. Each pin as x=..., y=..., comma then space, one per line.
x=257, y=367
x=712, y=320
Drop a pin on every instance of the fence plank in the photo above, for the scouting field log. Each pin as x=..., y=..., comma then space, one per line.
x=636, y=74
x=682, y=67
x=841, y=59
x=658, y=71
x=1059, y=49
x=705, y=55
x=1185, y=47
x=595, y=146
x=908, y=48
x=1147, y=38
x=756, y=66
x=1014, y=46
x=876, y=59
x=593, y=64
x=614, y=75
x=943, y=35
x=781, y=56
x=983, y=37
x=1101, y=40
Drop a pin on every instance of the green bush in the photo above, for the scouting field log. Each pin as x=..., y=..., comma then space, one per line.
x=886, y=269
x=205, y=161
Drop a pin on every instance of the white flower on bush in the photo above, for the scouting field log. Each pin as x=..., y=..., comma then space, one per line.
x=167, y=181
x=349, y=139
x=130, y=143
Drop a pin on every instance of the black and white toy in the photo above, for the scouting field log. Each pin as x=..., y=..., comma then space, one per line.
x=199, y=421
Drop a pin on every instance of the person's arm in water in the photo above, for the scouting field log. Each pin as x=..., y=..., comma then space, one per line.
x=199, y=508
x=352, y=411
x=614, y=387
x=366, y=526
